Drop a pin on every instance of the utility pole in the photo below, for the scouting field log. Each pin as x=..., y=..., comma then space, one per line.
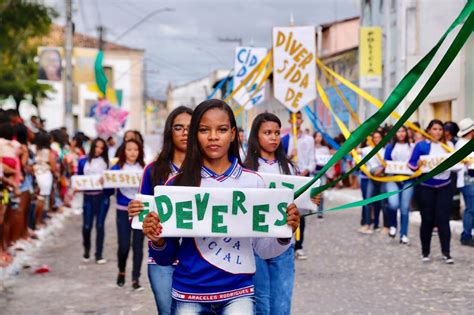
x=101, y=31
x=68, y=46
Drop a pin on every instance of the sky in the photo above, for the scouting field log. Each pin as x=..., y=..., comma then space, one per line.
x=183, y=45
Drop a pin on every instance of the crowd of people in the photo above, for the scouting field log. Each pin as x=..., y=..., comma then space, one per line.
x=205, y=148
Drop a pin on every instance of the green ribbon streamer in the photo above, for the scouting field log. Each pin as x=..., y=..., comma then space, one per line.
x=456, y=157
x=445, y=62
x=397, y=95
x=100, y=77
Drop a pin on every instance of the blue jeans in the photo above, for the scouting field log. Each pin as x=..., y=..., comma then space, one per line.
x=399, y=201
x=125, y=233
x=373, y=188
x=468, y=193
x=161, y=278
x=274, y=281
x=238, y=306
x=365, y=220
x=94, y=206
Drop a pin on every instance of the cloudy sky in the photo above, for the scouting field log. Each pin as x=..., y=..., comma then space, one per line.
x=183, y=45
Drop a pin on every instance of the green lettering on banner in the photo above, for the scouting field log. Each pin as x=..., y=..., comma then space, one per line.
x=159, y=200
x=182, y=215
x=238, y=199
x=272, y=185
x=282, y=209
x=143, y=214
x=201, y=205
x=218, y=219
x=288, y=185
x=259, y=218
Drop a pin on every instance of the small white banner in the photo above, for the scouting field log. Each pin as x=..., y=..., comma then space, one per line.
x=322, y=159
x=218, y=212
x=86, y=182
x=122, y=179
x=470, y=159
x=397, y=167
x=431, y=161
x=294, y=183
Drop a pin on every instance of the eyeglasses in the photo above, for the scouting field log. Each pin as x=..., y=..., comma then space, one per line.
x=180, y=128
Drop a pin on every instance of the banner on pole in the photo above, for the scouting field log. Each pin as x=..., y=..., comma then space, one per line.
x=86, y=182
x=122, y=179
x=303, y=202
x=294, y=75
x=246, y=59
x=370, y=57
x=218, y=212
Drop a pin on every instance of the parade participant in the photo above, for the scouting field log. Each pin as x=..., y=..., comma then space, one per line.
x=167, y=164
x=96, y=203
x=212, y=160
x=304, y=153
x=374, y=188
x=399, y=149
x=320, y=149
x=434, y=196
x=131, y=159
x=274, y=277
x=45, y=169
x=466, y=182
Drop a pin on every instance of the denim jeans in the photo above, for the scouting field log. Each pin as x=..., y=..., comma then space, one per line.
x=373, y=188
x=238, y=306
x=274, y=281
x=161, y=278
x=468, y=193
x=399, y=201
x=94, y=206
x=435, y=208
x=125, y=236
x=365, y=219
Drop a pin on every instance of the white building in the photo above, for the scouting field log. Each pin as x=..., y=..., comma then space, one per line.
x=124, y=69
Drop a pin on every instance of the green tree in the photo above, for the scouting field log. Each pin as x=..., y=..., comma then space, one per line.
x=22, y=24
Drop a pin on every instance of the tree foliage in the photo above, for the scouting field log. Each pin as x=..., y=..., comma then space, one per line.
x=22, y=24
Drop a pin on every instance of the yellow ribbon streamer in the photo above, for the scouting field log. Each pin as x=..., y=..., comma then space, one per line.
x=355, y=155
x=377, y=103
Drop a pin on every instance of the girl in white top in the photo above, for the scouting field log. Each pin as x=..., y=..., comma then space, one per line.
x=204, y=282
x=274, y=278
x=399, y=149
x=44, y=169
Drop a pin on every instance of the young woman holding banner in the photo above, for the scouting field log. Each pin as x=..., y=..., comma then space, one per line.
x=399, y=149
x=167, y=164
x=212, y=160
x=374, y=188
x=129, y=159
x=274, y=277
x=434, y=197
x=96, y=203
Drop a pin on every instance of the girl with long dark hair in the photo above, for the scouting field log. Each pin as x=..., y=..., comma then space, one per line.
x=96, y=202
x=130, y=159
x=212, y=160
x=274, y=277
x=167, y=164
x=399, y=149
x=434, y=196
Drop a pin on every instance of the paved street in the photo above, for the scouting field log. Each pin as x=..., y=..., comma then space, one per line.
x=346, y=273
